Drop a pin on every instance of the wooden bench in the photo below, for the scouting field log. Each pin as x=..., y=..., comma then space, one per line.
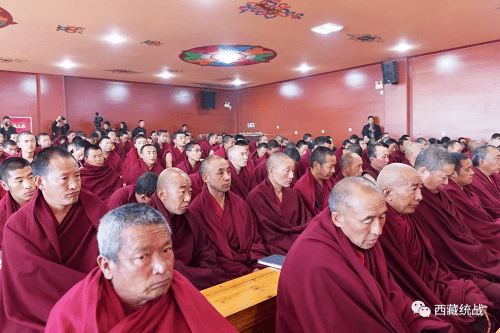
x=248, y=302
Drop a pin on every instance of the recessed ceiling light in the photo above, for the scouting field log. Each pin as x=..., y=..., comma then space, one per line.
x=67, y=64
x=165, y=75
x=327, y=28
x=237, y=82
x=304, y=68
x=115, y=39
x=227, y=57
x=403, y=47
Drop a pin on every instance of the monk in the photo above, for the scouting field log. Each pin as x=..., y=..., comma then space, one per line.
x=302, y=147
x=227, y=220
x=453, y=146
x=444, y=225
x=486, y=164
x=339, y=152
x=241, y=176
x=3, y=157
x=26, y=142
x=279, y=211
x=54, y=235
x=43, y=141
x=176, y=154
x=399, y=154
x=197, y=185
x=409, y=253
x=135, y=288
x=260, y=172
x=294, y=154
x=10, y=148
x=140, y=192
x=315, y=186
x=227, y=141
x=378, y=157
x=259, y=155
x=351, y=165
x=411, y=152
x=471, y=146
x=253, y=145
x=305, y=160
x=335, y=277
x=134, y=155
x=18, y=180
x=207, y=145
x=111, y=158
x=192, y=163
x=125, y=142
x=147, y=163
x=97, y=177
x=79, y=150
x=195, y=255
x=117, y=147
x=162, y=143
x=218, y=143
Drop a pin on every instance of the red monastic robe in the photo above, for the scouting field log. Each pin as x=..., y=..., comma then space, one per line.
x=240, y=183
x=102, y=181
x=8, y=206
x=338, y=154
x=222, y=153
x=314, y=196
x=118, y=149
x=304, y=164
x=114, y=161
x=487, y=191
x=122, y=196
x=260, y=174
x=130, y=161
x=205, y=149
x=252, y=146
x=187, y=168
x=138, y=170
x=196, y=185
x=371, y=171
x=177, y=156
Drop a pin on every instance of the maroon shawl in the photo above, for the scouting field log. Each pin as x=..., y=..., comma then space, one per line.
x=304, y=164
x=260, y=174
x=197, y=185
x=187, y=168
x=122, y=196
x=252, y=146
x=102, y=181
x=161, y=151
x=324, y=286
x=114, y=161
x=398, y=156
x=222, y=153
x=237, y=241
x=338, y=154
x=138, y=170
x=127, y=147
x=205, y=149
x=306, y=188
x=118, y=149
x=240, y=183
x=371, y=171
x=54, y=258
x=488, y=192
x=258, y=160
x=194, y=255
x=130, y=161
x=280, y=224
x=177, y=157
x=8, y=206
x=93, y=306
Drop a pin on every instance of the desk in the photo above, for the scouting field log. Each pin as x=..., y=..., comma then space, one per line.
x=248, y=302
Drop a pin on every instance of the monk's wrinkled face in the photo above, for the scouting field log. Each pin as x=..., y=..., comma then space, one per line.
x=282, y=175
x=435, y=181
x=465, y=174
x=21, y=184
x=61, y=184
x=95, y=157
x=327, y=169
x=27, y=143
x=139, y=143
x=491, y=163
x=180, y=140
x=106, y=145
x=162, y=138
x=356, y=167
x=381, y=160
x=363, y=219
x=149, y=155
x=11, y=149
x=303, y=150
x=456, y=148
x=45, y=141
x=239, y=157
x=229, y=143
x=195, y=153
x=176, y=195
x=218, y=175
x=78, y=154
x=405, y=195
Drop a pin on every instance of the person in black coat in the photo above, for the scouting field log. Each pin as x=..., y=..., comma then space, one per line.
x=6, y=129
x=60, y=127
x=138, y=129
x=372, y=130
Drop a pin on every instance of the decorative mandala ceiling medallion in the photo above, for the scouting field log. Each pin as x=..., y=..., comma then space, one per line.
x=5, y=18
x=228, y=55
x=365, y=38
x=122, y=71
x=270, y=9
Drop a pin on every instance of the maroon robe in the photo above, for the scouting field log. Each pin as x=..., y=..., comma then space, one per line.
x=240, y=183
x=364, y=158
x=252, y=146
x=304, y=164
x=118, y=149
x=138, y=170
x=314, y=196
x=279, y=223
x=215, y=148
x=371, y=171
x=187, y=168
x=194, y=254
x=258, y=160
x=259, y=174
x=93, y=306
x=161, y=151
x=487, y=191
x=3, y=193
x=122, y=196
x=398, y=156
x=8, y=206
x=338, y=154
x=54, y=256
x=205, y=149
x=177, y=156
x=102, y=181
x=114, y=161
x=328, y=284
x=338, y=177
x=127, y=147
x=3, y=157
x=222, y=153
x=130, y=161
x=196, y=185
x=237, y=241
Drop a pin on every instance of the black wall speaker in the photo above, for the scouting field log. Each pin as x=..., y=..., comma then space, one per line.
x=390, y=72
x=207, y=99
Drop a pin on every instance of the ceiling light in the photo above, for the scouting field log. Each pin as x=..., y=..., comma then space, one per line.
x=165, y=75
x=237, y=82
x=304, y=68
x=227, y=57
x=67, y=64
x=327, y=28
x=402, y=47
x=115, y=39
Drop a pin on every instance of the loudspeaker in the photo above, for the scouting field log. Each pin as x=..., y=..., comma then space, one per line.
x=390, y=72
x=207, y=100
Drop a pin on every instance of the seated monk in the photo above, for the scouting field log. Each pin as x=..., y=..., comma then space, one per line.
x=409, y=254
x=484, y=227
x=135, y=288
x=195, y=255
x=139, y=192
x=260, y=154
x=351, y=165
x=227, y=220
x=43, y=141
x=133, y=156
x=54, y=236
x=315, y=186
x=378, y=157
x=335, y=277
x=411, y=152
x=176, y=154
x=227, y=141
x=207, y=145
x=162, y=143
x=192, y=163
x=17, y=179
x=3, y=157
x=218, y=143
x=111, y=158
x=26, y=142
x=243, y=143
x=280, y=213
x=302, y=147
x=241, y=177
x=339, y=152
x=294, y=154
x=260, y=172
x=454, y=146
x=147, y=163
x=78, y=151
x=486, y=164
x=117, y=147
x=97, y=177
x=471, y=146
x=444, y=225
x=399, y=154
x=253, y=146
x=305, y=160
x=10, y=148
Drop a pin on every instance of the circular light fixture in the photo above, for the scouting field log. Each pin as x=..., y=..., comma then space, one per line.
x=228, y=57
x=67, y=64
x=115, y=39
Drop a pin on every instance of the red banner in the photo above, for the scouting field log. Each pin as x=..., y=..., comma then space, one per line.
x=21, y=124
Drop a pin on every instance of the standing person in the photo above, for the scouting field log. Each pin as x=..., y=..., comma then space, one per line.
x=60, y=127
x=6, y=130
x=139, y=128
x=372, y=130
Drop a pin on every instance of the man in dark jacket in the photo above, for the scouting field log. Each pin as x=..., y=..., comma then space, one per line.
x=372, y=130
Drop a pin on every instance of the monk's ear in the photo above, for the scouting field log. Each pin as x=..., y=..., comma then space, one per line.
x=39, y=182
x=337, y=219
x=422, y=172
x=4, y=185
x=387, y=193
x=104, y=263
x=204, y=177
x=160, y=193
x=85, y=159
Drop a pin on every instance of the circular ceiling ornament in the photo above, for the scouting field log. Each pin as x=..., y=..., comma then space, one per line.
x=5, y=18
x=228, y=55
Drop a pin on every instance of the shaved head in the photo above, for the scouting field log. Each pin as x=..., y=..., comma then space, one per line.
x=413, y=148
x=472, y=145
x=170, y=177
x=174, y=190
x=280, y=168
x=277, y=159
x=235, y=150
x=351, y=164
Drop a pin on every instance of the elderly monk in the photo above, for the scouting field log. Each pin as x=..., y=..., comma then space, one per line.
x=241, y=176
x=227, y=220
x=192, y=163
x=280, y=213
x=227, y=141
x=207, y=145
x=260, y=172
x=305, y=160
x=335, y=277
x=140, y=192
x=486, y=185
x=26, y=142
x=54, y=236
x=18, y=180
x=97, y=177
x=294, y=154
x=411, y=152
x=399, y=154
x=471, y=146
x=162, y=145
x=176, y=154
x=315, y=186
x=444, y=225
x=453, y=146
x=195, y=255
x=111, y=158
x=351, y=165
x=134, y=155
x=409, y=254
x=147, y=163
x=378, y=157
x=135, y=288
